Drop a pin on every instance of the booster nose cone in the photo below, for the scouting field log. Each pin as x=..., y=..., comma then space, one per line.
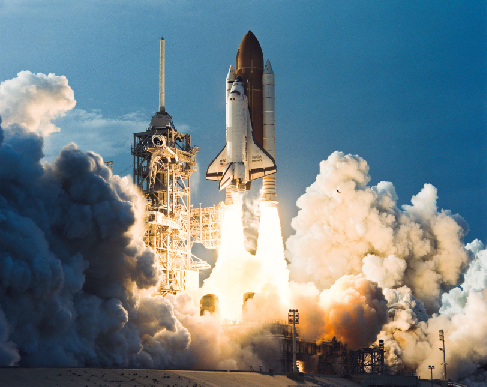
x=231, y=74
x=268, y=67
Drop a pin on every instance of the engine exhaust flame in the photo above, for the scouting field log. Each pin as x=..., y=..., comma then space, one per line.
x=238, y=272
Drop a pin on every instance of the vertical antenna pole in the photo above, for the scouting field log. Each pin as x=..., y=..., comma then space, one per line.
x=295, y=369
x=162, y=106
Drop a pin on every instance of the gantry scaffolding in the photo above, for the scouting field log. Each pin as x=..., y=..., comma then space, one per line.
x=163, y=163
x=206, y=225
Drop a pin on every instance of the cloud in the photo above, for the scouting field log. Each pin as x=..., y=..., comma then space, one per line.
x=474, y=280
x=91, y=130
x=32, y=101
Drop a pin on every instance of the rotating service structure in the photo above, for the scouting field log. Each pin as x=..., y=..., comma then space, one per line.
x=164, y=160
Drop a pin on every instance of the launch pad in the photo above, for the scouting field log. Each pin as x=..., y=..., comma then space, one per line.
x=164, y=160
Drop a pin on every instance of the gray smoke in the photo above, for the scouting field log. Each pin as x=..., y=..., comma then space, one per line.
x=72, y=260
x=69, y=263
x=75, y=275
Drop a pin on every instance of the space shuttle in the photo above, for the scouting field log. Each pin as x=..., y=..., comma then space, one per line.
x=249, y=152
x=242, y=159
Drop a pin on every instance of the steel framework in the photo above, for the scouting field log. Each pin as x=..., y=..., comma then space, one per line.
x=163, y=163
x=206, y=225
x=370, y=360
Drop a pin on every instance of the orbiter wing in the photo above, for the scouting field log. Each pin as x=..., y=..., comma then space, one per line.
x=216, y=168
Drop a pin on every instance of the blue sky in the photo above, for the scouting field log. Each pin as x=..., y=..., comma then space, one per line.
x=403, y=84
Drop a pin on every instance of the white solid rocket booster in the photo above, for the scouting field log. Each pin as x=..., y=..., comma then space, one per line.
x=269, y=129
x=229, y=83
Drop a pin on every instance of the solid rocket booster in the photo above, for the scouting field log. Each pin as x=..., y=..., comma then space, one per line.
x=269, y=131
x=256, y=143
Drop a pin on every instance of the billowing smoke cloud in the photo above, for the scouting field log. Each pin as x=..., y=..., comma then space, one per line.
x=353, y=311
x=415, y=253
x=75, y=275
x=475, y=280
x=353, y=307
x=33, y=100
x=412, y=340
x=346, y=227
x=71, y=257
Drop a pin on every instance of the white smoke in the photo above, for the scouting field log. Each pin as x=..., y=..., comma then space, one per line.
x=412, y=342
x=33, y=100
x=412, y=338
x=346, y=227
x=415, y=253
x=388, y=271
x=475, y=280
x=71, y=255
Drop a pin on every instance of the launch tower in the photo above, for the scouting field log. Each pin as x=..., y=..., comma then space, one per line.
x=163, y=163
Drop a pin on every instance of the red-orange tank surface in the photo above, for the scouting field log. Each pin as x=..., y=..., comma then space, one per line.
x=250, y=66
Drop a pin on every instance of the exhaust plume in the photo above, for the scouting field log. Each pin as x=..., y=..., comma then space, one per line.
x=76, y=277
x=238, y=272
x=346, y=227
x=415, y=253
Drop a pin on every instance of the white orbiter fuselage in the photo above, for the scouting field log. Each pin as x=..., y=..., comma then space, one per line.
x=242, y=159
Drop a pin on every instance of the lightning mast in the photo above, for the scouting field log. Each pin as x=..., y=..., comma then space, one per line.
x=163, y=163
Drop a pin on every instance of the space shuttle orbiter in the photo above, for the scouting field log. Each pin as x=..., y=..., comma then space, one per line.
x=242, y=159
x=250, y=116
